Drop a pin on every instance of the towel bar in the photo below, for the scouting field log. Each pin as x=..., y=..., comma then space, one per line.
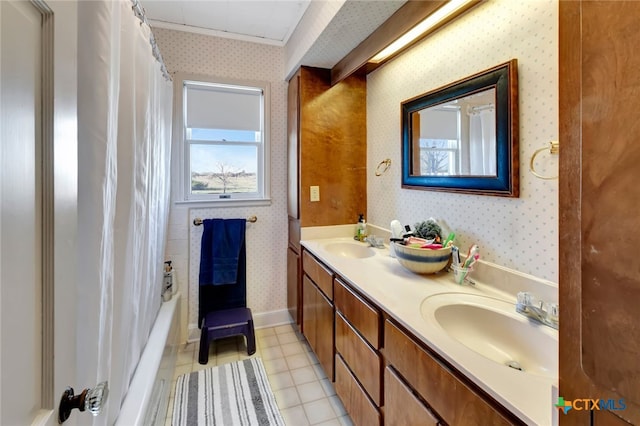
x=253, y=219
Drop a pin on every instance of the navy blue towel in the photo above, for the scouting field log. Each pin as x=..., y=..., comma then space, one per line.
x=222, y=252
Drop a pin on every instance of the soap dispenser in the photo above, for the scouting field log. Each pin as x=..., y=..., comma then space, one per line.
x=361, y=228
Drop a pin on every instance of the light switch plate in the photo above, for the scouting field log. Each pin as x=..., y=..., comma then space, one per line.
x=315, y=193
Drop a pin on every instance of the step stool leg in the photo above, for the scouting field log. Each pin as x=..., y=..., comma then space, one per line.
x=251, y=338
x=203, y=356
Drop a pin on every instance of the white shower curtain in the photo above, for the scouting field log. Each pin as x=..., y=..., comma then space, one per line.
x=482, y=142
x=124, y=128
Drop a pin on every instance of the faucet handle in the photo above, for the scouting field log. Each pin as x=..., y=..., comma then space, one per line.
x=524, y=298
x=553, y=313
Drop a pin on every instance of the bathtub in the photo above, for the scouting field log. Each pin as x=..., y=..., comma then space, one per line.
x=147, y=399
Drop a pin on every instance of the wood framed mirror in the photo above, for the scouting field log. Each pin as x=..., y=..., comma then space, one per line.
x=463, y=137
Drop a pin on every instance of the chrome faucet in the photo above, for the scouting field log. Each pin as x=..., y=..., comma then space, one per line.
x=374, y=241
x=538, y=310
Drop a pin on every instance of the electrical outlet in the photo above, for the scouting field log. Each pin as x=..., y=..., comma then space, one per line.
x=315, y=193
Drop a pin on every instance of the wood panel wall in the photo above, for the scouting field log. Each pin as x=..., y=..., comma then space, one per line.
x=333, y=148
x=599, y=200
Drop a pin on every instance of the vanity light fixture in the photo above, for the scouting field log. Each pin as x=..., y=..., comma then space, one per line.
x=441, y=16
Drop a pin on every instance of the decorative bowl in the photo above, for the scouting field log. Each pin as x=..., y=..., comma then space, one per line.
x=422, y=261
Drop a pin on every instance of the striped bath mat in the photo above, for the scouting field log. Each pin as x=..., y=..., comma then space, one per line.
x=232, y=394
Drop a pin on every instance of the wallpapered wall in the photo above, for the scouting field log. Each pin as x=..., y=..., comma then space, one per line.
x=266, y=239
x=517, y=233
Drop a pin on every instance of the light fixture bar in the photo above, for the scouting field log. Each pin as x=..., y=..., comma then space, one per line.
x=428, y=23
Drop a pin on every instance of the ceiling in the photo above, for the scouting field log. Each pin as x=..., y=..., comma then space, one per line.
x=274, y=21
x=263, y=21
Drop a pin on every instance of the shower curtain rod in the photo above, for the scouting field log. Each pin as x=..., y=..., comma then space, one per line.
x=138, y=10
x=479, y=108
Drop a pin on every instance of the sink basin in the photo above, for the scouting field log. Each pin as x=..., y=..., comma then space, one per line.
x=350, y=250
x=490, y=327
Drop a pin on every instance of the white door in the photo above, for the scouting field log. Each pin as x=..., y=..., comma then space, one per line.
x=37, y=200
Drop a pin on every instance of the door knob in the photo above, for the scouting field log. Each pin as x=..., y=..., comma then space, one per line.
x=89, y=399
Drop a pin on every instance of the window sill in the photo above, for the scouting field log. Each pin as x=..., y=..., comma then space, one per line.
x=224, y=203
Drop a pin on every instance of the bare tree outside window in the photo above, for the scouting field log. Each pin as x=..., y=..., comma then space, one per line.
x=227, y=178
x=437, y=157
x=434, y=162
x=226, y=173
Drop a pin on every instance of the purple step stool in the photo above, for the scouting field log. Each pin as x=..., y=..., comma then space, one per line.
x=225, y=323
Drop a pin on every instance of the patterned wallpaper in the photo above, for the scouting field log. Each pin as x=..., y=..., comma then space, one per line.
x=267, y=238
x=316, y=18
x=329, y=30
x=517, y=233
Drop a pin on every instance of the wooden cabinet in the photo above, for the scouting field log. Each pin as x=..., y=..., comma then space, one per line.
x=327, y=146
x=294, y=273
x=319, y=274
x=354, y=343
x=317, y=311
x=599, y=284
x=401, y=406
x=293, y=280
x=360, y=408
x=449, y=395
x=363, y=315
x=357, y=346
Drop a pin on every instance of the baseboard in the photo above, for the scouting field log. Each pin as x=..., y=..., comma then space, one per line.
x=260, y=320
x=271, y=319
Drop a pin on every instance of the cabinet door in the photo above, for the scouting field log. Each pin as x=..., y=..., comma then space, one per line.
x=309, y=317
x=293, y=283
x=599, y=199
x=293, y=150
x=317, y=324
x=324, y=333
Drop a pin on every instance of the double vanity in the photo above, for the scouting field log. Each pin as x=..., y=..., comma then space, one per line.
x=404, y=348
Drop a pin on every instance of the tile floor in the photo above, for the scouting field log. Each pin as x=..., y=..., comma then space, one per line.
x=303, y=392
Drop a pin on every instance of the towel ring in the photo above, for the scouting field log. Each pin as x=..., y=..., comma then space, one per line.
x=554, y=149
x=386, y=163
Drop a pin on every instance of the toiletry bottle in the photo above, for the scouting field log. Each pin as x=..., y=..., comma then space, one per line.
x=361, y=229
x=167, y=284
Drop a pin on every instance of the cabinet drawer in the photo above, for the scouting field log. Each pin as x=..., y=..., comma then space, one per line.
x=363, y=316
x=451, y=398
x=362, y=359
x=401, y=407
x=320, y=275
x=355, y=400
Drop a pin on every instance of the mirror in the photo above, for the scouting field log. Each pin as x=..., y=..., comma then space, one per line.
x=463, y=137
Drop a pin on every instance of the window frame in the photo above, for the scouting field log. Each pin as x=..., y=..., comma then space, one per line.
x=456, y=156
x=181, y=167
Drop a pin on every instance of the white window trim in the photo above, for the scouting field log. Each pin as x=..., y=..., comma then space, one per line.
x=179, y=166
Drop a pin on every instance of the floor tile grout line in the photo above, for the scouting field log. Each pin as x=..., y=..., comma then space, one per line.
x=233, y=350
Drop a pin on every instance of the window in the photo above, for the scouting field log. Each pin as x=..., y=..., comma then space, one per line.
x=440, y=141
x=225, y=142
x=438, y=157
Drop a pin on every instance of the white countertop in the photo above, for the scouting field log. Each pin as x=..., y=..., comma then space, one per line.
x=400, y=293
